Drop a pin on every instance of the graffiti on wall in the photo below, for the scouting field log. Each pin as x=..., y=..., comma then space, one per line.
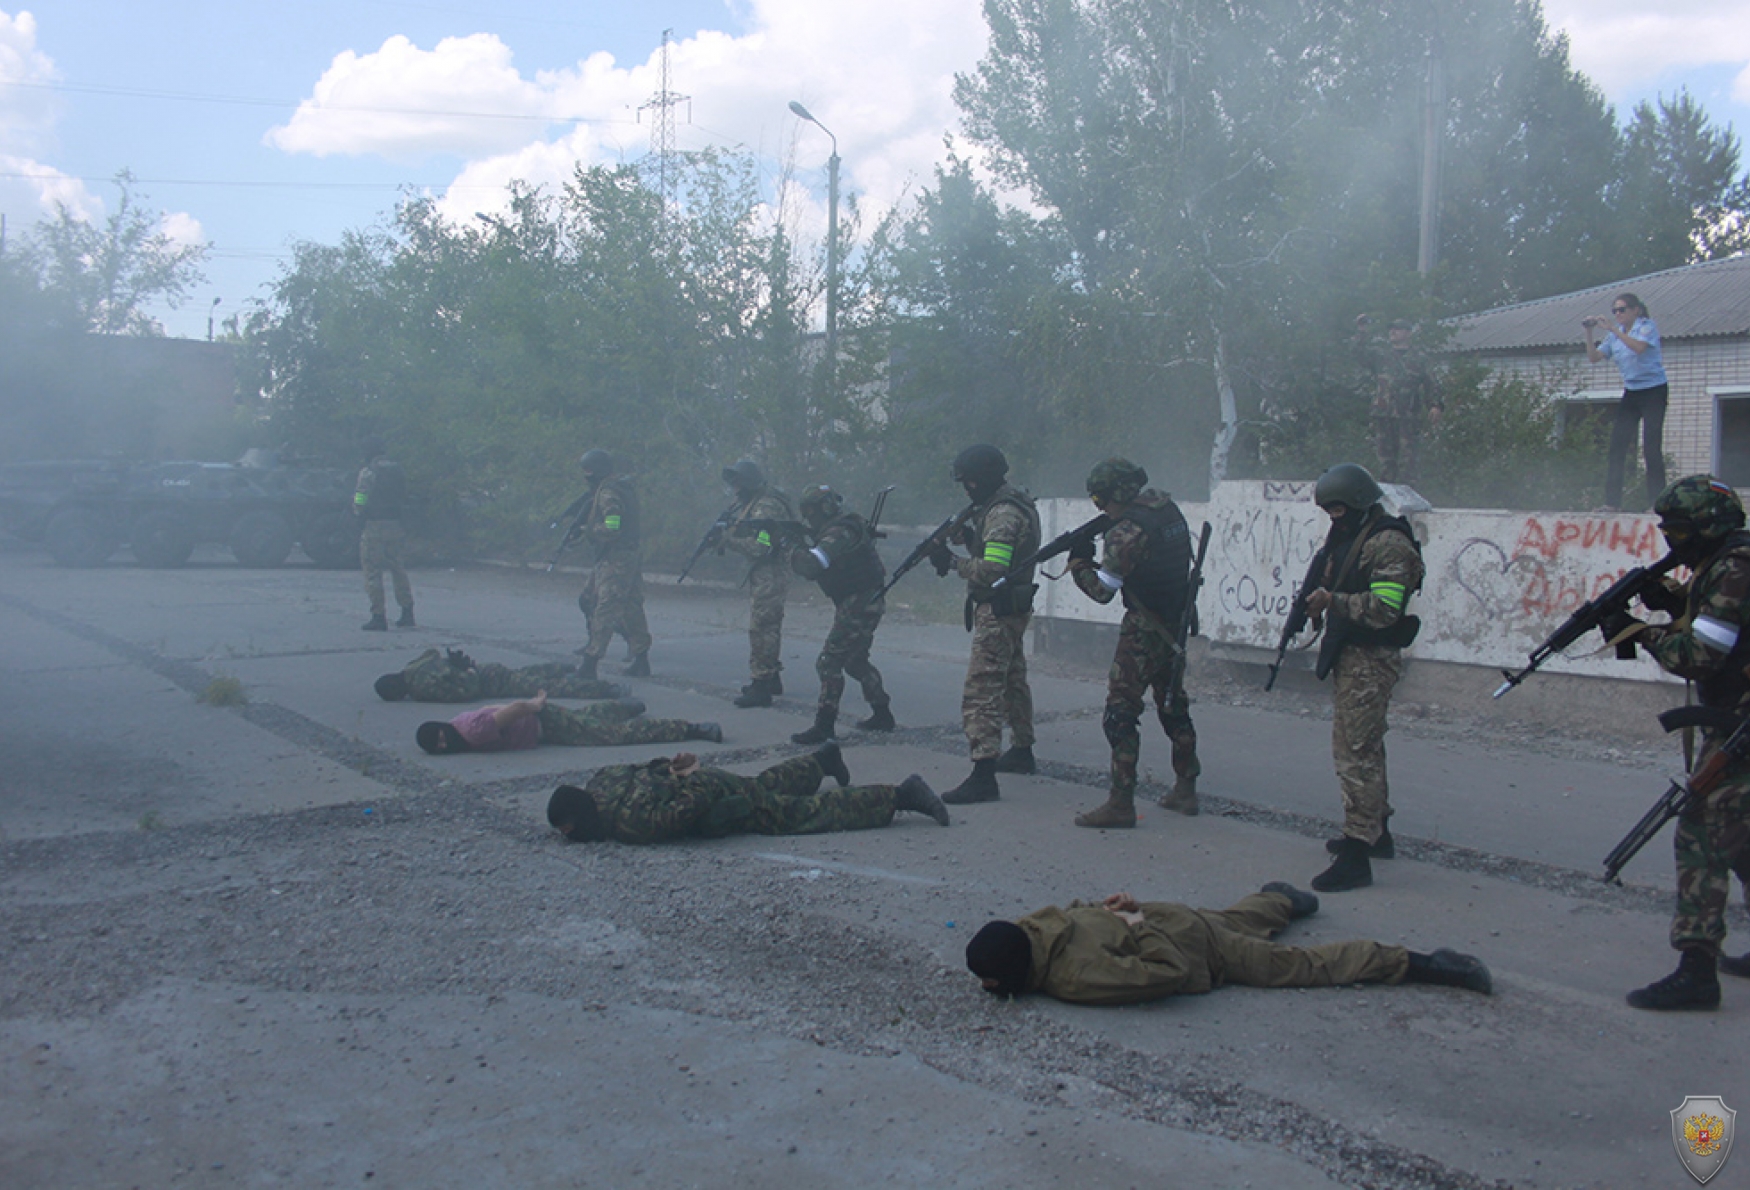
x=1260, y=556
x=1556, y=564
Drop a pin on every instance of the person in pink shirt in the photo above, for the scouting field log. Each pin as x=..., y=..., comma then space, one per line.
x=531, y=722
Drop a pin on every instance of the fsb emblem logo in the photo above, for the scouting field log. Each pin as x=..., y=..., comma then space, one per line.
x=1701, y=1128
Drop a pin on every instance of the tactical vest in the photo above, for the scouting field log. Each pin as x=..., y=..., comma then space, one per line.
x=859, y=568
x=787, y=513
x=1159, y=582
x=1728, y=687
x=1015, y=596
x=388, y=491
x=1400, y=633
x=627, y=540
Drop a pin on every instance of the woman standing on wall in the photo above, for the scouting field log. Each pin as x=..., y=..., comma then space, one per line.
x=1634, y=347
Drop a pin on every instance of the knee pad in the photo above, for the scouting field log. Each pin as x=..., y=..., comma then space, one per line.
x=1117, y=723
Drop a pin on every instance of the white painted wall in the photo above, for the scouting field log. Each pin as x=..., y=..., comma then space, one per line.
x=1498, y=582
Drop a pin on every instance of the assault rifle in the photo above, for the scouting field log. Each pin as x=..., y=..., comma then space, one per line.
x=940, y=534
x=1194, y=584
x=713, y=536
x=875, y=512
x=1614, y=601
x=1082, y=535
x=572, y=517
x=1297, y=616
x=1735, y=750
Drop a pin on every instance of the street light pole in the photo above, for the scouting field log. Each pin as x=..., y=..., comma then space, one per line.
x=832, y=239
x=212, y=310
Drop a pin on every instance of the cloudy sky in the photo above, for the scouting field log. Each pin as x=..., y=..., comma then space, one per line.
x=257, y=125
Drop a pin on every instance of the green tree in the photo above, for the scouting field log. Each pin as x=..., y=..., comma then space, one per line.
x=1678, y=196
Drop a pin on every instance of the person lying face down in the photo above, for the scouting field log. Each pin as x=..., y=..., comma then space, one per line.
x=531, y=722
x=453, y=676
x=1122, y=951
x=675, y=797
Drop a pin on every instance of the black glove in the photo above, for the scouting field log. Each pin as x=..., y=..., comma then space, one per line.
x=1082, y=551
x=941, y=557
x=1615, y=623
x=1663, y=597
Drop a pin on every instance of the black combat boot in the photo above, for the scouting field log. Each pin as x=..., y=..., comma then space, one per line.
x=1694, y=985
x=1739, y=966
x=1382, y=848
x=1349, y=870
x=832, y=763
x=880, y=720
x=1450, y=969
x=1300, y=904
x=821, y=732
x=377, y=623
x=640, y=667
x=757, y=693
x=406, y=620
x=631, y=707
x=586, y=669
x=915, y=794
x=1017, y=760
x=705, y=731
x=981, y=786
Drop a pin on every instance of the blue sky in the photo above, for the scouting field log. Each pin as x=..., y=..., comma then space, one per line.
x=253, y=126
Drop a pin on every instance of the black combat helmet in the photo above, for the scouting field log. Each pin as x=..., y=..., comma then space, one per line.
x=820, y=504
x=1348, y=484
x=982, y=466
x=1696, y=512
x=745, y=477
x=597, y=462
x=1116, y=480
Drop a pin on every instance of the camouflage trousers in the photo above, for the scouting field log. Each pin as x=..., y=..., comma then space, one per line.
x=556, y=678
x=1713, y=840
x=768, y=583
x=1147, y=659
x=1361, y=684
x=846, y=651
x=612, y=600
x=787, y=799
x=996, y=688
x=1241, y=951
x=1398, y=440
x=379, y=550
x=607, y=725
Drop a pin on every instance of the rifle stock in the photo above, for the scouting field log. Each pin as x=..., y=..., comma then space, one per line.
x=1297, y=617
x=713, y=535
x=1703, y=781
x=1062, y=543
x=1615, y=599
x=941, y=533
x=1193, y=585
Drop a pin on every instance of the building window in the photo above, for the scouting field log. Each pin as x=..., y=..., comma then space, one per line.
x=1587, y=414
x=1732, y=435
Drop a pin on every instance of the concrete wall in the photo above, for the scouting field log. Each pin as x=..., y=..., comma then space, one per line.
x=1498, y=582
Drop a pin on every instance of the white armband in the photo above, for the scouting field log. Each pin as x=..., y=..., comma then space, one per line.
x=1109, y=580
x=821, y=557
x=1716, y=634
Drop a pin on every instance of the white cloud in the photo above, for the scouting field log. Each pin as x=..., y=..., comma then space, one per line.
x=1630, y=46
x=183, y=228
x=27, y=121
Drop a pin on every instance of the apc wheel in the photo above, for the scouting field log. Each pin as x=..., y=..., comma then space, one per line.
x=161, y=539
x=332, y=541
x=261, y=539
x=80, y=537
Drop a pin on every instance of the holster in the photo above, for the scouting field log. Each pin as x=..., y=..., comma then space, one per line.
x=1006, y=600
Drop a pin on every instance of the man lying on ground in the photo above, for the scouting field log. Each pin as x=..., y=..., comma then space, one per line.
x=531, y=722
x=1125, y=952
x=673, y=798
x=454, y=676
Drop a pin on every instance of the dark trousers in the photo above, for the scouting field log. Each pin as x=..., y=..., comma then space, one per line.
x=1646, y=406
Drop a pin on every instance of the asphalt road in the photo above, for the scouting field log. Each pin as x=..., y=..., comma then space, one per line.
x=276, y=945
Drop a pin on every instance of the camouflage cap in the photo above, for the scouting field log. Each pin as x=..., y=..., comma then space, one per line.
x=1700, y=504
x=820, y=503
x=1116, y=479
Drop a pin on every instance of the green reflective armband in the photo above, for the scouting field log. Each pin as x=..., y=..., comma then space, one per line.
x=358, y=500
x=999, y=552
x=611, y=524
x=764, y=538
x=1393, y=595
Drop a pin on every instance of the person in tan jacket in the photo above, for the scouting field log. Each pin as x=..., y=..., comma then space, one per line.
x=1123, y=951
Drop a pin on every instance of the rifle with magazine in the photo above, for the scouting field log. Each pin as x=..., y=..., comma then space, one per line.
x=1082, y=536
x=1188, y=618
x=713, y=537
x=1703, y=781
x=1593, y=613
x=1297, y=616
x=573, y=518
x=940, y=535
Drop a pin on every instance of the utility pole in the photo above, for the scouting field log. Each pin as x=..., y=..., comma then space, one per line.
x=662, y=106
x=1433, y=136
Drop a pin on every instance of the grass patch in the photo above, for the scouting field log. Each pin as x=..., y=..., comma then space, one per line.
x=224, y=691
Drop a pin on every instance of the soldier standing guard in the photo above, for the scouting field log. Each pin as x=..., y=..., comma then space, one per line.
x=1703, y=523
x=1000, y=526
x=1148, y=563
x=843, y=560
x=768, y=579
x=378, y=501
x=613, y=598
x=1372, y=565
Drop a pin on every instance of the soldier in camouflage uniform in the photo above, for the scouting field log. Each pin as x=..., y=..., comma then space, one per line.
x=378, y=501
x=612, y=600
x=1372, y=565
x=843, y=560
x=768, y=578
x=1404, y=401
x=531, y=722
x=1709, y=644
x=675, y=798
x=436, y=676
x=1000, y=528
x=1147, y=562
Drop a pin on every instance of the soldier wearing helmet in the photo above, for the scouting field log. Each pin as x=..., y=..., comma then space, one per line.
x=612, y=600
x=1364, y=576
x=377, y=502
x=999, y=528
x=768, y=578
x=1147, y=563
x=843, y=560
x=1709, y=644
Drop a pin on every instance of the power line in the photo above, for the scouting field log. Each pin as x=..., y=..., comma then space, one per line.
x=215, y=183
